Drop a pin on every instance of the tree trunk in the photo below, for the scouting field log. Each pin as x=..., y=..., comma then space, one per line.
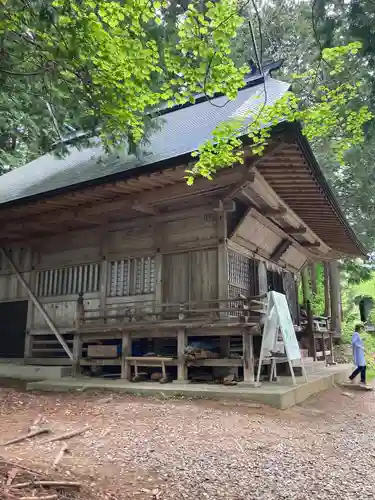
x=335, y=296
x=327, y=302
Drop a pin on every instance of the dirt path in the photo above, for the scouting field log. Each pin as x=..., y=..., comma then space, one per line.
x=140, y=448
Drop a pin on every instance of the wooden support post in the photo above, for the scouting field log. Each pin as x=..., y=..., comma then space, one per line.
x=103, y=285
x=77, y=355
x=310, y=329
x=222, y=260
x=327, y=302
x=80, y=311
x=158, y=285
x=28, y=353
x=158, y=237
x=262, y=277
x=248, y=357
x=331, y=348
x=38, y=305
x=163, y=370
x=312, y=268
x=324, y=348
x=30, y=318
x=298, y=309
x=305, y=286
x=126, y=350
x=335, y=296
x=181, y=346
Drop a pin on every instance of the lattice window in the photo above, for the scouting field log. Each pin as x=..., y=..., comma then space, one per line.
x=242, y=277
x=132, y=277
x=68, y=280
x=239, y=273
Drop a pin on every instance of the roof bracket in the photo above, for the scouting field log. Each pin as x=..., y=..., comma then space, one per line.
x=279, y=251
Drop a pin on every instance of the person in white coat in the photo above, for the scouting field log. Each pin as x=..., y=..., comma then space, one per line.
x=359, y=356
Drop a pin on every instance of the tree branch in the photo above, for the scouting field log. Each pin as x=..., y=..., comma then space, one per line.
x=15, y=73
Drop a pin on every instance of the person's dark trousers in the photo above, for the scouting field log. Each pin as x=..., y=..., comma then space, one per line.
x=362, y=371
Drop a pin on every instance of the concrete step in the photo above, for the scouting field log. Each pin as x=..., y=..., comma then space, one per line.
x=310, y=367
x=280, y=395
x=19, y=371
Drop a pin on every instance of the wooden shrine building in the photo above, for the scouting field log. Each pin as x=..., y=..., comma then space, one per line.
x=108, y=259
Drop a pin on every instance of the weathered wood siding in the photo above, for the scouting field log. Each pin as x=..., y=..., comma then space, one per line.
x=190, y=276
x=132, y=242
x=10, y=287
x=255, y=236
x=62, y=313
x=60, y=267
x=190, y=233
x=168, y=259
x=175, y=277
x=203, y=275
x=294, y=258
x=77, y=247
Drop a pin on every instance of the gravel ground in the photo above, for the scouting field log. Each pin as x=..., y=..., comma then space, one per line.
x=138, y=448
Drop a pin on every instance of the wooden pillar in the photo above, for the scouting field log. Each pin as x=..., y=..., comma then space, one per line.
x=103, y=285
x=331, y=348
x=334, y=275
x=248, y=357
x=158, y=286
x=310, y=330
x=327, y=302
x=222, y=255
x=262, y=278
x=181, y=346
x=312, y=268
x=30, y=318
x=324, y=348
x=77, y=354
x=158, y=237
x=126, y=350
x=305, y=286
x=223, y=275
x=80, y=311
x=298, y=318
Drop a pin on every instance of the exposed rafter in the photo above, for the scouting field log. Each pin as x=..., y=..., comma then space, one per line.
x=175, y=192
x=295, y=231
x=308, y=244
x=274, y=212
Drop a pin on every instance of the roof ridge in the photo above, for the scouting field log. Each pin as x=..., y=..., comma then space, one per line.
x=250, y=79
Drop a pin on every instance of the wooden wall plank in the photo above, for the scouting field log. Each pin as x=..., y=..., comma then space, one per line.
x=175, y=277
x=68, y=257
x=192, y=231
x=203, y=275
x=62, y=313
x=129, y=243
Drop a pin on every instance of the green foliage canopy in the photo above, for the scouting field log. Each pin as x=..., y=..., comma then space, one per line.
x=109, y=64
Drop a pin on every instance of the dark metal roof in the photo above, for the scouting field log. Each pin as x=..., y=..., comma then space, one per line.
x=180, y=133
x=296, y=177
